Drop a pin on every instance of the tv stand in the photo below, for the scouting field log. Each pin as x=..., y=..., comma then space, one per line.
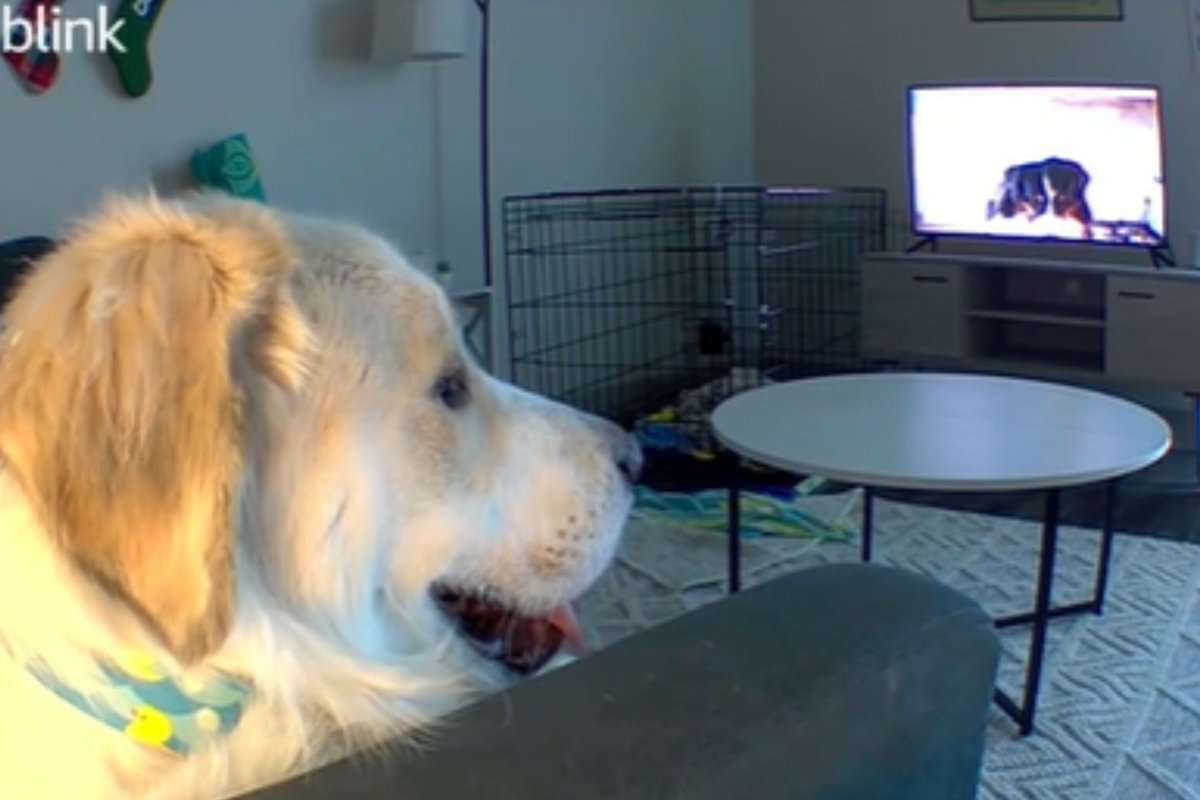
x=925, y=241
x=1162, y=256
x=1052, y=318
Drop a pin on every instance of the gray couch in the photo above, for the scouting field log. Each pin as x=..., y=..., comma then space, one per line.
x=845, y=682
x=16, y=255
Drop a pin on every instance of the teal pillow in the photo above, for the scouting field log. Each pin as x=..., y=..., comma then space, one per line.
x=229, y=166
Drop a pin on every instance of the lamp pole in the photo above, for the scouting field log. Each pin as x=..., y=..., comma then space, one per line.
x=485, y=177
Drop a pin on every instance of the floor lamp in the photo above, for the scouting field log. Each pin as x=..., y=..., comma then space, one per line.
x=431, y=30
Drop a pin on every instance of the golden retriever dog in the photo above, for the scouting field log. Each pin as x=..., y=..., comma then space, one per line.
x=260, y=509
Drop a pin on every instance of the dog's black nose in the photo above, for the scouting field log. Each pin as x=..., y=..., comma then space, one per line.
x=630, y=460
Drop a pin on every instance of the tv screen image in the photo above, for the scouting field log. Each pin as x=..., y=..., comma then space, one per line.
x=1077, y=163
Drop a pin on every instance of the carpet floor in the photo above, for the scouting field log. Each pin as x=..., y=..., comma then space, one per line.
x=1119, y=716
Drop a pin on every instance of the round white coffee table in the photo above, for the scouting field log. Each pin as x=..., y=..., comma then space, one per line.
x=950, y=433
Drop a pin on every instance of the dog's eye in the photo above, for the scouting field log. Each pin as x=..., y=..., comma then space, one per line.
x=452, y=391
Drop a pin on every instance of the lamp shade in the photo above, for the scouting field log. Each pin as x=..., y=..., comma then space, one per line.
x=419, y=30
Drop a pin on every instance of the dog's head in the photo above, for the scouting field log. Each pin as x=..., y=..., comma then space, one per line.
x=200, y=396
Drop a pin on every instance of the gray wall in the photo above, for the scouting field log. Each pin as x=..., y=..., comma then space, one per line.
x=585, y=93
x=618, y=93
x=830, y=79
x=332, y=132
x=610, y=93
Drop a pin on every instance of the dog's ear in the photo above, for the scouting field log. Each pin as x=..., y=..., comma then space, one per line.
x=124, y=362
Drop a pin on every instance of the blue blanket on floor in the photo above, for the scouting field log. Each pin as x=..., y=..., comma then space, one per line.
x=761, y=514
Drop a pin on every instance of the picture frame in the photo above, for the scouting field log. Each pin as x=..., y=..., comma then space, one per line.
x=1046, y=10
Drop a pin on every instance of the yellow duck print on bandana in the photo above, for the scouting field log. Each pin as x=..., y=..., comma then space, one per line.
x=143, y=701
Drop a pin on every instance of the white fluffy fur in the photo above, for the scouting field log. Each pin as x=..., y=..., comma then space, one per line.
x=355, y=491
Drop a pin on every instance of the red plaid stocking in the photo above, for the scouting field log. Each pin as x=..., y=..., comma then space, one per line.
x=35, y=63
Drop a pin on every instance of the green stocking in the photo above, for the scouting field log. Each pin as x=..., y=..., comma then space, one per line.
x=133, y=65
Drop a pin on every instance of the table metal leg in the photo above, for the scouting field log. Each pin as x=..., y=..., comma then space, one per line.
x=1024, y=714
x=1106, y=543
x=868, y=522
x=1195, y=401
x=735, y=524
x=1103, y=567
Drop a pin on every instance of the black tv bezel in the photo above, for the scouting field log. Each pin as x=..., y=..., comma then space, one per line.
x=1017, y=238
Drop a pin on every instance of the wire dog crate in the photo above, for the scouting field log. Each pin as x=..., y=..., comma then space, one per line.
x=619, y=300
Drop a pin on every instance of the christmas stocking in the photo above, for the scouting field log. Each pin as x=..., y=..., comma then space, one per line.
x=136, y=18
x=36, y=64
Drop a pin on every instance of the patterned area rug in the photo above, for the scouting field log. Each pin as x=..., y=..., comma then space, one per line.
x=1119, y=716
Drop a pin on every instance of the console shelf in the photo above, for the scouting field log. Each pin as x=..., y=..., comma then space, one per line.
x=1047, y=318
x=1017, y=315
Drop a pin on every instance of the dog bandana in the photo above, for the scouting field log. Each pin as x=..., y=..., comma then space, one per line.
x=144, y=703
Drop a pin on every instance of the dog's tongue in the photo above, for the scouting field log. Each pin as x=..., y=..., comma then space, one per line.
x=523, y=644
x=565, y=620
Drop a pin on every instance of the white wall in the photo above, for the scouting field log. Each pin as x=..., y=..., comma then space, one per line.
x=585, y=94
x=718, y=74
x=332, y=132
x=617, y=93
x=830, y=80
x=621, y=93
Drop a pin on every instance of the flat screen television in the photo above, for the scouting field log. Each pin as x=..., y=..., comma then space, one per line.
x=1047, y=162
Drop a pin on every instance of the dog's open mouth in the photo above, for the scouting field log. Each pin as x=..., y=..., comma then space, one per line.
x=522, y=643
